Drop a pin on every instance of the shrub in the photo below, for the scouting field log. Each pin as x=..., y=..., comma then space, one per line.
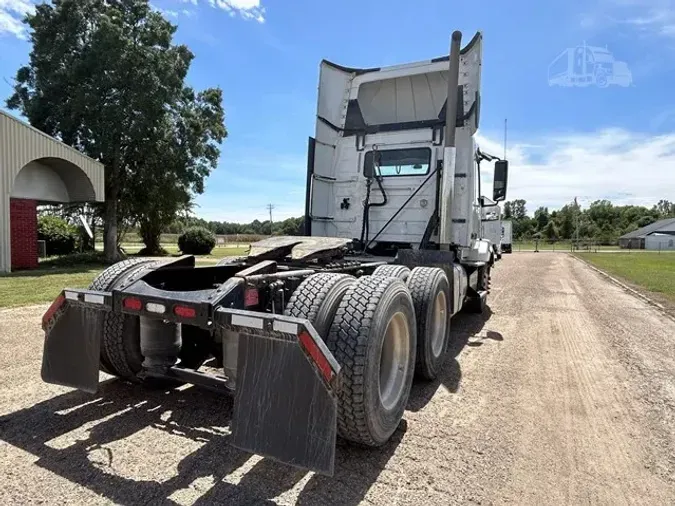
x=196, y=241
x=59, y=235
x=95, y=258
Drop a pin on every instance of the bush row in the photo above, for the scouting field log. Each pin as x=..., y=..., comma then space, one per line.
x=61, y=238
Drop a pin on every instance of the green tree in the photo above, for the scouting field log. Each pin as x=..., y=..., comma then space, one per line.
x=665, y=208
x=102, y=77
x=507, y=211
x=524, y=228
x=565, y=221
x=645, y=220
x=183, y=152
x=516, y=209
x=542, y=217
x=551, y=231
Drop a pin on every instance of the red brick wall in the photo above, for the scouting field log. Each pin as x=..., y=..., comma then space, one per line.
x=23, y=225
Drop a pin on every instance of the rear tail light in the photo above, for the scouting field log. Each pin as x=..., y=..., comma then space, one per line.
x=56, y=305
x=132, y=303
x=251, y=297
x=316, y=355
x=184, y=311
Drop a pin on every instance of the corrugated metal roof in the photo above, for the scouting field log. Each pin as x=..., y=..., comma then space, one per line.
x=21, y=144
x=644, y=231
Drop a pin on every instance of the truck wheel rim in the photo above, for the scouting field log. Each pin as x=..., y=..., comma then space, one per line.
x=440, y=322
x=394, y=360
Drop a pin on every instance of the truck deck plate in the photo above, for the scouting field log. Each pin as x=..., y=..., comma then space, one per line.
x=299, y=248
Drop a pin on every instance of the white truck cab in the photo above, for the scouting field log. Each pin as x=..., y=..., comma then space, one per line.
x=376, y=162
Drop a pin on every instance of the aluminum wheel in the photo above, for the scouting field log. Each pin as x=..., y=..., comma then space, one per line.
x=394, y=358
x=440, y=322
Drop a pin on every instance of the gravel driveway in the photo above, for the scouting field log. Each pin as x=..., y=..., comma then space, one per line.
x=564, y=392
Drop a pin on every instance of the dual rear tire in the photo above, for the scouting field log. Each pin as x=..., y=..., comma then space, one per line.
x=381, y=331
x=369, y=326
x=430, y=291
x=120, y=336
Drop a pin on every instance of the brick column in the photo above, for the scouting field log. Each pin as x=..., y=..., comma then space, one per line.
x=23, y=226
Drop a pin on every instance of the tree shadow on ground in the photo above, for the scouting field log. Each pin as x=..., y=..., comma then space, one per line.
x=467, y=329
x=121, y=410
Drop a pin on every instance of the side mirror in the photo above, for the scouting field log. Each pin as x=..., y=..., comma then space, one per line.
x=500, y=180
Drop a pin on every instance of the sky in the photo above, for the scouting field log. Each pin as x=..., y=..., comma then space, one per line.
x=614, y=142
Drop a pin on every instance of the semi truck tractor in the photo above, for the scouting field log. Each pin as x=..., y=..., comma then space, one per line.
x=507, y=232
x=320, y=336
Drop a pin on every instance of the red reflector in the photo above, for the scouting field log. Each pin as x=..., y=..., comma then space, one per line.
x=317, y=356
x=251, y=297
x=184, y=311
x=132, y=303
x=56, y=305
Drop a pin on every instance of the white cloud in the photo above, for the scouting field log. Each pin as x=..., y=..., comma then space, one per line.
x=165, y=12
x=248, y=9
x=11, y=17
x=625, y=167
x=648, y=17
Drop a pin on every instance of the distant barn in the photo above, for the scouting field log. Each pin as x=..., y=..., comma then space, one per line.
x=657, y=236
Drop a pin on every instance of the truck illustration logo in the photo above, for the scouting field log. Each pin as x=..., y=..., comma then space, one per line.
x=588, y=65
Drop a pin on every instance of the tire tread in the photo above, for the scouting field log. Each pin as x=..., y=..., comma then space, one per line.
x=348, y=342
x=307, y=299
x=391, y=270
x=421, y=283
x=113, y=350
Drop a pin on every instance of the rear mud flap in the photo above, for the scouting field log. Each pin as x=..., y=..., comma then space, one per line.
x=72, y=347
x=285, y=405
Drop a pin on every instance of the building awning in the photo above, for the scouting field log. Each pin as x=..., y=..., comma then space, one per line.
x=38, y=167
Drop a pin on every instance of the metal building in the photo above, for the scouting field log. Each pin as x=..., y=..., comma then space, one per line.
x=660, y=242
x=638, y=238
x=35, y=169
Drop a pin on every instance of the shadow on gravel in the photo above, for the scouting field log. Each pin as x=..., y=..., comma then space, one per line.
x=466, y=330
x=121, y=410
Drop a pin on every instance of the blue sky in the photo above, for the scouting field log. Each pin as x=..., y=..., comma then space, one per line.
x=616, y=142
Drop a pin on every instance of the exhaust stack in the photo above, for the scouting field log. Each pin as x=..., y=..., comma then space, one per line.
x=449, y=151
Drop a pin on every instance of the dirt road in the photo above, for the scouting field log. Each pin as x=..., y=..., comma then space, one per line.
x=563, y=393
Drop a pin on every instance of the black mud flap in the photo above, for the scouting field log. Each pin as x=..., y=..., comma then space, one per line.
x=73, y=340
x=285, y=404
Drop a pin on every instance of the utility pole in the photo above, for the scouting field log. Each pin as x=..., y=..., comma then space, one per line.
x=505, y=130
x=576, y=215
x=270, y=207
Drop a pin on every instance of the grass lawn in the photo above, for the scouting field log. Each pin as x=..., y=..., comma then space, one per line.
x=652, y=271
x=23, y=288
x=556, y=246
x=43, y=285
